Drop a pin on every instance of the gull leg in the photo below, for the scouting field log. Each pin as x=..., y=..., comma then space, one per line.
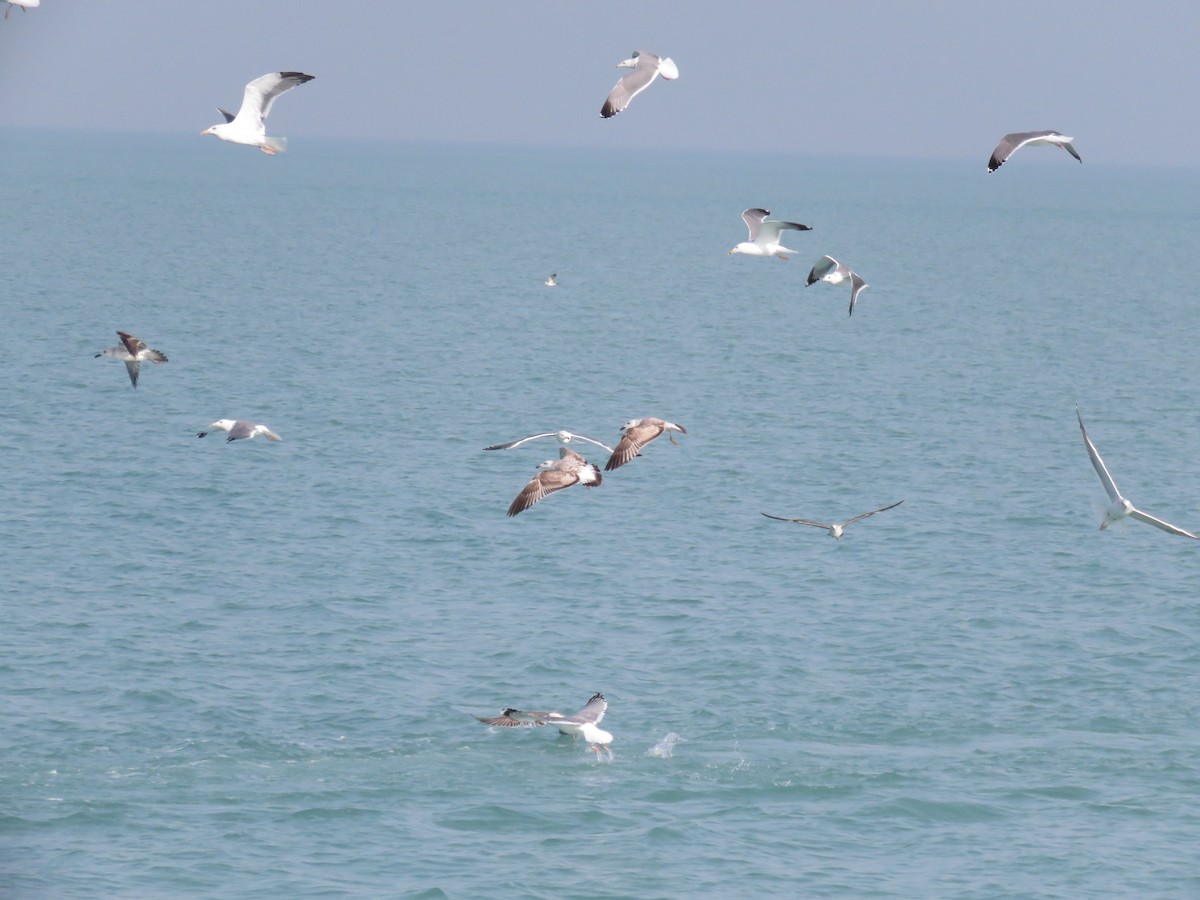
x=672, y=438
x=270, y=151
x=781, y=256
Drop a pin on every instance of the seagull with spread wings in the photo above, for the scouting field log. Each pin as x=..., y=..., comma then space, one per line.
x=132, y=351
x=248, y=126
x=835, y=529
x=583, y=724
x=764, y=234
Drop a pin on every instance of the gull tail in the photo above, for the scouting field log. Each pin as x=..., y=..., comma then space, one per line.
x=278, y=144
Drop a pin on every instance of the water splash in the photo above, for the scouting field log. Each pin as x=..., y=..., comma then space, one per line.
x=664, y=749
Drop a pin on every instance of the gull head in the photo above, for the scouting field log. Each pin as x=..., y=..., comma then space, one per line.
x=747, y=247
x=836, y=532
x=630, y=63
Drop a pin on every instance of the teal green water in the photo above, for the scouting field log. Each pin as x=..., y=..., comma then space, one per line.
x=251, y=669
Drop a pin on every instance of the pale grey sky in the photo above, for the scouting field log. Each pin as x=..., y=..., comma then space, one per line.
x=912, y=79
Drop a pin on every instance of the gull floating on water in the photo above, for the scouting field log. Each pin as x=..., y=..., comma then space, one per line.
x=646, y=67
x=764, y=234
x=242, y=429
x=831, y=271
x=564, y=437
x=638, y=433
x=583, y=724
x=248, y=127
x=1011, y=143
x=132, y=351
x=24, y=4
x=1119, y=507
x=552, y=280
x=835, y=529
x=557, y=474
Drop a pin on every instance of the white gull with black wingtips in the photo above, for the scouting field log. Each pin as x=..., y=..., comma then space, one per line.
x=248, y=126
x=646, y=67
x=835, y=529
x=1011, y=143
x=242, y=430
x=764, y=234
x=831, y=271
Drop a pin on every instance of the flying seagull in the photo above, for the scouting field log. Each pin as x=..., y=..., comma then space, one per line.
x=242, y=429
x=248, y=127
x=764, y=234
x=831, y=271
x=551, y=280
x=1011, y=143
x=564, y=437
x=583, y=724
x=638, y=433
x=24, y=4
x=646, y=67
x=570, y=468
x=837, y=529
x=132, y=351
x=1119, y=507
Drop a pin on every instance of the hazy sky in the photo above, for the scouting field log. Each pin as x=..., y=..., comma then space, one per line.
x=913, y=79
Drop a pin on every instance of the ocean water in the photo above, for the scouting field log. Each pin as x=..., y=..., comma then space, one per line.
x=251, y=669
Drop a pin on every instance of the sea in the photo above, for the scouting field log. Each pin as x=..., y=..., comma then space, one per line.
x=252, y=669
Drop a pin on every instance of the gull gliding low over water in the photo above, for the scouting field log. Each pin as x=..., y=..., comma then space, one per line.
x=564, y=437
x=1119, y=507
x=638, y=433
x=831, y=271
x=242, y=430
x=556, y=475
x=1011, y=143
x=836, y=529
x=248, y=126
x=583, y=724
x=132, y=351
x=764, y=234
x=646, y=67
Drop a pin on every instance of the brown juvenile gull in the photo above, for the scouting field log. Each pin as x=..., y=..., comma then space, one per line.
x=646, y=67
x=242, y=429
x=132, y=351
x=570, y=468
x=837, y=528
x=764, y=234
x=638, y=433
x=1119, y=507
x=564, y=437
x=583, y=724
x=248, y=127
x=831, y=271
x=1011, y=143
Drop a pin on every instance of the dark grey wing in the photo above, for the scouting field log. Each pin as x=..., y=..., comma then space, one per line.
x=857, y=286
x=593, y=711
x=241, y=429
x=229, y=117
x=754, y=219
x=1010, y=144
x=824, y=266
x=133, y=367
x=518, y=443
x=1070, y=149
x=797, y=521
x=871, y=513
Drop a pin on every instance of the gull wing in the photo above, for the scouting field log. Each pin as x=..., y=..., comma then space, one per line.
x=511, y=444
x=132, y=344
x=630, y=85
x=857, y=286
x=631, y=443
x=824, y=266
x=1110, y=486
x=261, y=93
x=134, y=368
x=1159, y=523
x=754, y=219
x=872, y=512
x=800, y=521
x=593, y=711
x=229, y=117
x=518, y=718
x=541, y=485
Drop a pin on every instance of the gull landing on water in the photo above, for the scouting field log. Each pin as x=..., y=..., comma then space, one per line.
x=132, y=351
x=569, y=469
x=646, y=67
x=837, y=529
x=638, y=433
x=248, y=127
x=583, y=724
x=764, y=234
x=1011, y=143
x=1119, y=507
x=564, y=437
x=242, y=429
x=831, y=271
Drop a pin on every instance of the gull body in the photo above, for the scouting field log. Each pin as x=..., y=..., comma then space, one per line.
x=1011, y=143
x=132, y=351
x=583, y=724
x=564, y=437
x=637, y=434
x=646, y=67
x=242, y=430
x=764, y=234
x=835, y=529
x=557, y=474
x=551, y=280
x=1118, y=507
x=249, y=125
x=831, y=271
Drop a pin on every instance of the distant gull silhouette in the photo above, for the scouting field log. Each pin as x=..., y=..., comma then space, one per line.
x=242, y=429
x=1011, y=143
x=639, y=433
x=556, y=475
x=646, y=67
x=831, y=271
x=551, y=280
x=583, y=724
x=1119, y=507
x=564, y=437
x=248, y=126
x=764, y=234
x=835, y=529
x=132, y=351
